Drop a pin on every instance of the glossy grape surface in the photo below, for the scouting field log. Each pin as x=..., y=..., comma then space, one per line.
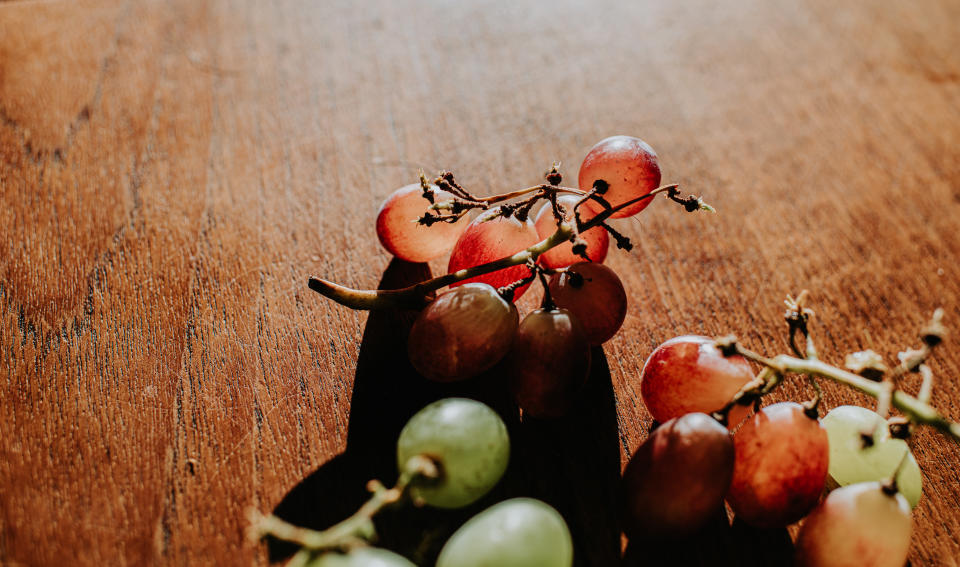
x=549, y=362
x=361, y=557
x=488, y=240
x=630, y=167
x=857, y=525
x=406, y=239
x=462, y=333
x=851, y=462
x=689, y=374
x=597, y=238
x=781, y=466
x=467, y=439
x=595, y=296
x=677, y=479
x=521, y=532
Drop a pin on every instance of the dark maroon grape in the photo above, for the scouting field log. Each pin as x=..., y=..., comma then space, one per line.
x=462, y=333
x=677, y=479
x=549, y=362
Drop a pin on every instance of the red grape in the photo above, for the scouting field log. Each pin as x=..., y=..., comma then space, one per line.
x=781, y=466
x=860, y=525
x=562, y=256
x=688, y=374
x=549, y=362
x=408, y=240
x=488, y=240
x=630, y=168
x=462, y=333
x=595, y=295
x=676, y=480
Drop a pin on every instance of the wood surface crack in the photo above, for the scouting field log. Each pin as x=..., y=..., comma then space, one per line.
x=58, y=153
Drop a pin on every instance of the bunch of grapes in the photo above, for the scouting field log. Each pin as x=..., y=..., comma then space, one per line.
x=450, y=454
x=775, y=466
x=716, y=445
x=475, y=325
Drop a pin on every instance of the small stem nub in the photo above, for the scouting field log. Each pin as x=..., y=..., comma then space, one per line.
x=358, y=529
x=547, y=302
x=553, y=174
x=890, y=485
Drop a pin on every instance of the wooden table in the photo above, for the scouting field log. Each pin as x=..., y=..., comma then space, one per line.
x=173, y=171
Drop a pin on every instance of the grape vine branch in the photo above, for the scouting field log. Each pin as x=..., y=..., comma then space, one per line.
x=417, y=295
x=872, y=379
x=355, y=531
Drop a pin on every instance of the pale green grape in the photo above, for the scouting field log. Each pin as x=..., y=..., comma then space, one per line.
x=467, y=439
x=850, y=462
x=361, y=557
x=521, y=532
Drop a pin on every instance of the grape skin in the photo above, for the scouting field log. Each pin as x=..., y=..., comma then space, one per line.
x=486, y=240
x=597, y=238
x=469, y=442
x=599, y=302
x=549, y=362
x=676, y=480
x=408, y=240
x=462, y=333
x=689, y=374
x=851, y=462
x=630, y=167
x=781, y=466
x=521, y=532
x=361, y=557
x=857, y=525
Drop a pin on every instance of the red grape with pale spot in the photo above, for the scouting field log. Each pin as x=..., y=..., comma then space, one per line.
x=860, y=525
x=408, y=240
x=488, y=240
x=688, y=374
x=630, y=168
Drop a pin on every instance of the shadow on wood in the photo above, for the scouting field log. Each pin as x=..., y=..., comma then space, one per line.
x=572, y=463
x=717, y=544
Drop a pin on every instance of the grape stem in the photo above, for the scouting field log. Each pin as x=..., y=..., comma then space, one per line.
x=418, y=295
x=915, y=408
x=355, y=531
x=521, y=192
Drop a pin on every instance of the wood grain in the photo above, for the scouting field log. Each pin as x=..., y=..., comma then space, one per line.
x=172, y=171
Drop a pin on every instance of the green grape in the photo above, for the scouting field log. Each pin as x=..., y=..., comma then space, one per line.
x=515, y=533
x=467, y=439
x=851, y=463
x=361, y=557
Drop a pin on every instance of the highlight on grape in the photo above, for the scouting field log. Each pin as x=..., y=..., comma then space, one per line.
x=717, y=442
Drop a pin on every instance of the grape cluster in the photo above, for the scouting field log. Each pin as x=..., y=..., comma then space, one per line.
x=714, y=445
x=450, y=454
x=773, y=470
x=474, y=325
